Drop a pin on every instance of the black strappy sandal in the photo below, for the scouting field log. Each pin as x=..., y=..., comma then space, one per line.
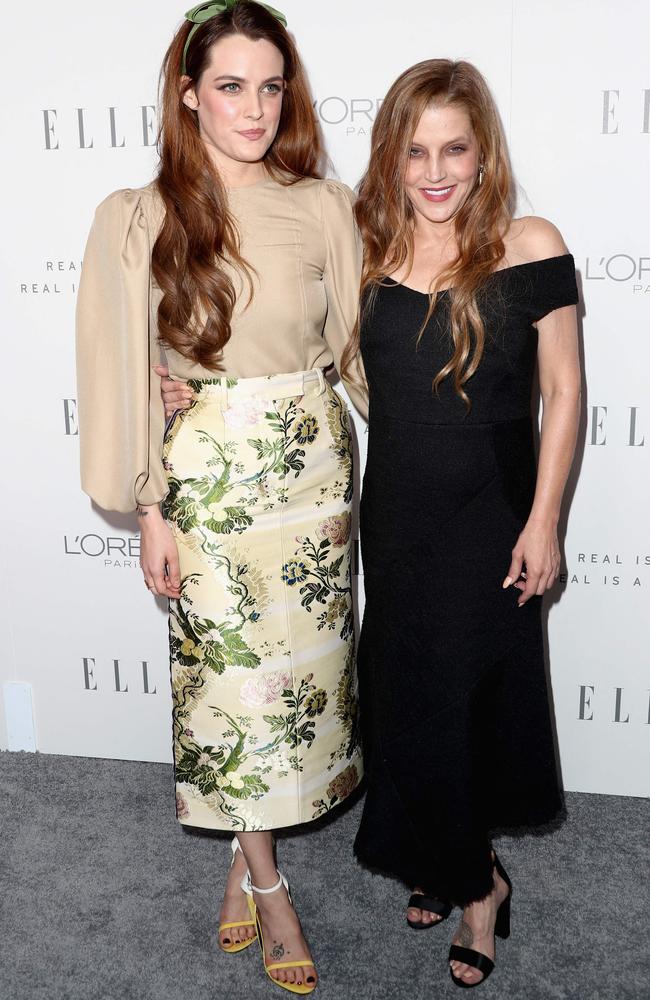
x=421, y=901
x=501, y=929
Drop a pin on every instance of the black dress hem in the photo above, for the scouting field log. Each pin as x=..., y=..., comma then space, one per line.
x=541, y=824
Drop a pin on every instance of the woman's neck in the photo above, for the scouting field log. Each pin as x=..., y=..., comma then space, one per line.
x=430, y=237
x=236, y=173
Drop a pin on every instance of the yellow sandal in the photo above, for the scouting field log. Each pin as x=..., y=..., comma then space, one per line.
x=231, y=949
x=249, y=889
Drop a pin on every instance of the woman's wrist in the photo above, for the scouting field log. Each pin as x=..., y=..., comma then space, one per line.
x=543, y=519
x=148, y=514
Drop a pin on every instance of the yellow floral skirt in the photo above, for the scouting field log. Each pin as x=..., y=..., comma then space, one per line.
x=262, y=639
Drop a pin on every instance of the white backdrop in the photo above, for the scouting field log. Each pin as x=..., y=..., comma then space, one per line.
x=572, y=82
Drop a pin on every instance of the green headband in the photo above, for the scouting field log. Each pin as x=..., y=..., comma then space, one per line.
x=204, y=11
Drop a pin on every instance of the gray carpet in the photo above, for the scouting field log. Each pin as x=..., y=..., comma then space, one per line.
x=104, y=897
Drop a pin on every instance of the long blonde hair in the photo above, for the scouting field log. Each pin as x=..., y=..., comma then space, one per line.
x=385, y=215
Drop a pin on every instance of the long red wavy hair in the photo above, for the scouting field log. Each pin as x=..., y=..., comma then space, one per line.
x=385, y=215
x=198, y=231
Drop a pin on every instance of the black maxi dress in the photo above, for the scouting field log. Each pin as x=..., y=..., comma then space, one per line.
x=455, y=705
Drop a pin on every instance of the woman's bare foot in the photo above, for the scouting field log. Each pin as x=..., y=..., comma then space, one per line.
x=283, y=938
x=235, y=906
x=416, y=915
x=476, y=930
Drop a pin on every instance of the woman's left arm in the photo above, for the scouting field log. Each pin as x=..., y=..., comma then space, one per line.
x=537, y=551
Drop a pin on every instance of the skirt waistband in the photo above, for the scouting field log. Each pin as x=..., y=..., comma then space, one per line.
x=286, y=386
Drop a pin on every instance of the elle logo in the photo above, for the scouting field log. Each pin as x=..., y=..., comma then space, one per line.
x=85, y=132
x=587, y=706
x=121, y=686
x=610, y=119
x=70, y=417
x=597, y=426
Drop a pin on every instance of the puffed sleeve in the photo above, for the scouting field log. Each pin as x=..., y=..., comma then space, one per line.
x=342, y=277
x=121, y=415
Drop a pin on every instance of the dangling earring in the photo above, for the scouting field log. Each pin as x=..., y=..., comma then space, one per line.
x=481, y=172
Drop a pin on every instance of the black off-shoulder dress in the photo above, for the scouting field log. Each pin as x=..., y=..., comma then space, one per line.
x=455, y=705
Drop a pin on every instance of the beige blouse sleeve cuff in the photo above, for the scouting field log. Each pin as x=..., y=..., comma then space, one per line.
x=342, y=281
x=121, y=415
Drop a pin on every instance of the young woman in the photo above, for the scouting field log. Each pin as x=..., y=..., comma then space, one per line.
x=461, y=302
x=245, y=265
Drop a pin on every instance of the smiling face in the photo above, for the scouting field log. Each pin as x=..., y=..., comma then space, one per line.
x=443, y=164
x=238, y=100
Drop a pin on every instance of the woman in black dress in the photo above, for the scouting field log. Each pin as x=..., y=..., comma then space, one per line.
x=460, y=301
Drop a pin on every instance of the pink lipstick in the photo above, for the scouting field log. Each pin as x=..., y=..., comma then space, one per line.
x=438, y=194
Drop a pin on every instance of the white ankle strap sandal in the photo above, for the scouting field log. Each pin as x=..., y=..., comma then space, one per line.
x=300, y=988
x=249, y=888
x=229, y=946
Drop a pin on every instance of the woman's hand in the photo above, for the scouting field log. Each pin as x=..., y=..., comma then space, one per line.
x=176, y=395
x=158, y=554
x=535, y=564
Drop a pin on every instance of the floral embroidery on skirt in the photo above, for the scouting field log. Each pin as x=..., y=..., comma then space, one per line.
x=265, y=717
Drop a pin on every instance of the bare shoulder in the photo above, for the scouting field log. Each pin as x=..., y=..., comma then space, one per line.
x=533, y=238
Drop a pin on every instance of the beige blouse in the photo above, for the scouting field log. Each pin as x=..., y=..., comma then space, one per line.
x=305, y=252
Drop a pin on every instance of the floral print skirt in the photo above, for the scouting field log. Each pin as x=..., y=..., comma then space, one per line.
x=261, y=640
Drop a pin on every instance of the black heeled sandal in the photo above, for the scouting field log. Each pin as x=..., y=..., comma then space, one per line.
x=501, y=929
x=421, y=901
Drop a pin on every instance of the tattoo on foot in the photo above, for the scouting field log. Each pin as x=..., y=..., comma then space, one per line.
x=465, y=935
x=277, y=951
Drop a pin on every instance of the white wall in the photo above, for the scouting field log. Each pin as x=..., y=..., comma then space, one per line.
x=572, y=83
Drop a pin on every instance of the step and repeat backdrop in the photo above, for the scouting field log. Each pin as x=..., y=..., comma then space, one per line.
x=84, y=662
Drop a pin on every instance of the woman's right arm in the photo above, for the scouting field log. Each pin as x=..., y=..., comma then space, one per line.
x=158, y=553
x=121, y=416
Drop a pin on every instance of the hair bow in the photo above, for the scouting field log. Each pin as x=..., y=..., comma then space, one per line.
x=204, y=11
